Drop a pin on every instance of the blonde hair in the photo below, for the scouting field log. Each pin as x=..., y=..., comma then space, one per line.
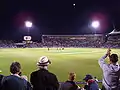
x=72, y=76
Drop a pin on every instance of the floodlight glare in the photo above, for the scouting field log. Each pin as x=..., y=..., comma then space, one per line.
x=95, y=24
x=28, y=24
x=74, y=4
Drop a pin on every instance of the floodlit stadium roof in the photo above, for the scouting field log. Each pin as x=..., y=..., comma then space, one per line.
x=114, y=32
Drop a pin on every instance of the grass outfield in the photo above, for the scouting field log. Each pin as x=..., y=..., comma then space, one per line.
x=80, y=60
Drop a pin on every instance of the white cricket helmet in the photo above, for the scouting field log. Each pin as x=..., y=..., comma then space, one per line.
x=43, y=61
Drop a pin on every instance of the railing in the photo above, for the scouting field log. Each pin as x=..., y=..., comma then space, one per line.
x=99, y=81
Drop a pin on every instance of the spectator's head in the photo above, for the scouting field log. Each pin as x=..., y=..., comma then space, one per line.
x=113, y=58
x=43, y=61
x=71, y=76
x=88, y=77
x=15, y=68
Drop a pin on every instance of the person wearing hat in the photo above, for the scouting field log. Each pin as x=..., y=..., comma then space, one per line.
x=111, y=71
x=42, y=79
x=91, y=84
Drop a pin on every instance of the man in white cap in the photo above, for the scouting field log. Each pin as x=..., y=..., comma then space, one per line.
x=42, y=79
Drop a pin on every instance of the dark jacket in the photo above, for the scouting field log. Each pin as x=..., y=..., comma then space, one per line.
x=69, y=85
x=13, y=82
x=44, y=80
x=1, y=77
x=92, y=85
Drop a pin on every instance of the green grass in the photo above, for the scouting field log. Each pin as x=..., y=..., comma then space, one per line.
x=80, y=60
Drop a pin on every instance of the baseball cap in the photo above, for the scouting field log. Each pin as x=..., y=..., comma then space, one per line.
x=43, y=61
x=87, y=77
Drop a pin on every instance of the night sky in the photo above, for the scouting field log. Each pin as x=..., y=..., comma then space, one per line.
x=57, y=17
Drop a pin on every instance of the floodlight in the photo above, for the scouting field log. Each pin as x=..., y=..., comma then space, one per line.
x=28, y=24
x=74, y=4
x=95, y=24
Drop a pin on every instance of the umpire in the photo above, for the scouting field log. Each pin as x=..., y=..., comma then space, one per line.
x=42, y=79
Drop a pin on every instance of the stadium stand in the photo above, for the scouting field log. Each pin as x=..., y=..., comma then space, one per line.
x=112, y=41
x=60, y=41
x=6, y=44
x=91, y=41
x=72, y=40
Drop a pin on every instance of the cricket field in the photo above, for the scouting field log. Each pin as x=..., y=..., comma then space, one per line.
x=82, y=61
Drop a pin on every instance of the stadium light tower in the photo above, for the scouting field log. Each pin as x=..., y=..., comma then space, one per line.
x=28, y=24
x=95, y=24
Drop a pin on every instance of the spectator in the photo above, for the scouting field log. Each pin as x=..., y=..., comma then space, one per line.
x=111, y=71
x=70, y=84
x=14, y=81
x=1, y=77
x=91, y=83
x=42, y=79
x=29, y=86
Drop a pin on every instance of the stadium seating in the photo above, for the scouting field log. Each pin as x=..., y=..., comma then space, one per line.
x=91, y=41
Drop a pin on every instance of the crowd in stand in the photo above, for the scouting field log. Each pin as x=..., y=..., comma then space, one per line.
x=7, y=44
x=42, y=79
x=92, y=41
x=73, y=41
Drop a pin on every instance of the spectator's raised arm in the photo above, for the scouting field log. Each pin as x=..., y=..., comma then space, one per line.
x=101, y=61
